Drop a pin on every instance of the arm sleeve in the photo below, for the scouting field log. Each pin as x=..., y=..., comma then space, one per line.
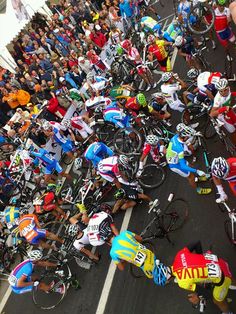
x=185, y=167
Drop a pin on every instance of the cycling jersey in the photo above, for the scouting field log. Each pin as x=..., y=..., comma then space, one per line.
x=158, y=49
x=206, y=78
x=172, y=32
x=28, y=229
x=80, y=126
x=96, y=152
x=222, y=101
x=98, y=227
x=190, y=269
x=184, y=8
x=119, y=92
x=108, y=168
x=25, y=268
x=62, y=140
x=175, y=157
x=154, y=151
x=50, y=163
x=12, y=217
x=82, y=241
x=116, y=115
x=221, y=19
x=92, y=103
x=150, y=25
x=169, y=91
x=188, y=45
x=125, y=247
x=132, y=105
x=46, y=203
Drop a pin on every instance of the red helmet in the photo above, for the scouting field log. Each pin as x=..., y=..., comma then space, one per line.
x=126, y=43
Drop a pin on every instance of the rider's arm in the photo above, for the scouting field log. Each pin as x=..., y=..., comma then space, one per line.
x=182, y=83
x=138, y=238
x=21, y=282
x=114, y=230
x=121, y=265
x=45, y=264
x=184, y=166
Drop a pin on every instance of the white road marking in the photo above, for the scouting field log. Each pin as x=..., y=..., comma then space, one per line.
x=5, y=299
x=111, y=271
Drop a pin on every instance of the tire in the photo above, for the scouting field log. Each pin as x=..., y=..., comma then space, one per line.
x=139, y=83
x=152, y=176
x=228, y=230
x=66, y=159
x=10, y=259
x=199, y=11
x=6, y=150
x=209, y=131
x=204, y=65
x=48, y=301
x=193, y=114
x=228, y=67
x=230, y=147
x=127, y=141
x=105, y=132
x=135, y=271
x=175, y=215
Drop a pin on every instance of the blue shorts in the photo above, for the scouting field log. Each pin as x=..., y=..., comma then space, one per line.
x=67, y=147
x=54, y=166
x=41, y=234
x=179, y=171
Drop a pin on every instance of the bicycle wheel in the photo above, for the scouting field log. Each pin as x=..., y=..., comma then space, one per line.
x=175, y=215
x=198, y=17
x=231, y=234
x=105, y=132
x=135, y=271
x=230, y=147
x=127, y=141
x=209, y=131
x=48, y=301
x=152, y=176
x=6, y=150
x=139, y=83
x=66, y=159
x=195, y=114
x=10, y=259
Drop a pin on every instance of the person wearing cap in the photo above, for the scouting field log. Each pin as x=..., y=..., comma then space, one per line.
x=32, y=109
x=84, y=65
x=97, y=37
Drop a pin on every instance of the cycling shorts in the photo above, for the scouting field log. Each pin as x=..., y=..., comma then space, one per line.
x=225, y=36
x=179, y=171
x=131, y=193
x=67, y=146
x=54, y=166
x=39, y=234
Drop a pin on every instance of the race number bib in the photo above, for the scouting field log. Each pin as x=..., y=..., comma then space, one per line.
x=214, y=270
x=211, y=257
x=12, y=280
x=172, y=159
x=140, y=258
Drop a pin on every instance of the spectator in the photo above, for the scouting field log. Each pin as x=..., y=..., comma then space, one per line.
x=97, y=37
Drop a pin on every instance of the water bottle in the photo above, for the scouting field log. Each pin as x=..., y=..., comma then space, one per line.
x=170, y=197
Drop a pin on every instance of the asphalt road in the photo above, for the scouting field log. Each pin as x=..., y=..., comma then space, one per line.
x=140, y=296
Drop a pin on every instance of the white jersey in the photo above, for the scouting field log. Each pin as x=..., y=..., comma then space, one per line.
x=206, y=78
x=222, y=101
x=83, y=241
x=169, y=91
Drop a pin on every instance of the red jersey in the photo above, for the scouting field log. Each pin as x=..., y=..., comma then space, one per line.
x=231, y=177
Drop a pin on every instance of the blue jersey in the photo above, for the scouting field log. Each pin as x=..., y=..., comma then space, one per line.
x=175, y=155
x=23, y=269
x=150, y=25
x=96, y=152
x=44, y=156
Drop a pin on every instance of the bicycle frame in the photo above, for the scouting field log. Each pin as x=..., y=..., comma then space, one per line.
x=232, y=217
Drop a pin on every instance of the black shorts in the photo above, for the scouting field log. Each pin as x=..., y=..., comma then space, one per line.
x=131, y=194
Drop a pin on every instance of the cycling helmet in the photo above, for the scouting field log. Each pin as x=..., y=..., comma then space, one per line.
x=221, y=2
x=184, y=130
x=72, y=230
x=65, y=122
x=46, y=125
x=179, y=41
x=150, y=38
x=161, y=274
x=222, y=84
x=220, y=167
x=35, y=255
x=124, y=161
x=51, y=187
x=152, y=139
x=166, y=76
x=24, y=211
x=78, y=163
x=120, y=194
x=119, y=50
x=126, y=43
x=105, y=208
x=141, y=99
x=193, y=73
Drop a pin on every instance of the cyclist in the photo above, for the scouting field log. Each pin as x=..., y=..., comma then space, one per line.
x=22, y=279
x=81, y=241
x=149, y=25
x=154, y=146
x=193, y=271
x=172, y=31
x=171, y=85
x=50, y=163
x=114, y=114
x=186, y=49
x=159, y=105
x=30, y=229
x=222, y=20
x=79, y=125
x=127, y=197
x=222, y=107
x=12, y=216
x=134, y=55
x=113, y=169
x=224, y=169
x=48, y=202
x=127, y=247
x=96, y=152
x=176, y=161
x=156, y=49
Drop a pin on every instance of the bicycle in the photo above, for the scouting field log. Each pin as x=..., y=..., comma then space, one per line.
x=200, y=59
x=60, y=278
x=230, y=224
x=172, y=218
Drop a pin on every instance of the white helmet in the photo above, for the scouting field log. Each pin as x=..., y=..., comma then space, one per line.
x=193, y=73
x=46, y=125
x=65, y=122
x=152, y=139
x=166, y=76
x=179, y=41
x=78, y=163
x=124, y=161
x=38, y=201
x=184, y=130
x=222, y=84
x=35, y=255
x=72, y=230
x=220, y=167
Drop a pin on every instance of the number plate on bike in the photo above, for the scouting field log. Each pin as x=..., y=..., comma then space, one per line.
x=140, y=258
x=214, y=270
